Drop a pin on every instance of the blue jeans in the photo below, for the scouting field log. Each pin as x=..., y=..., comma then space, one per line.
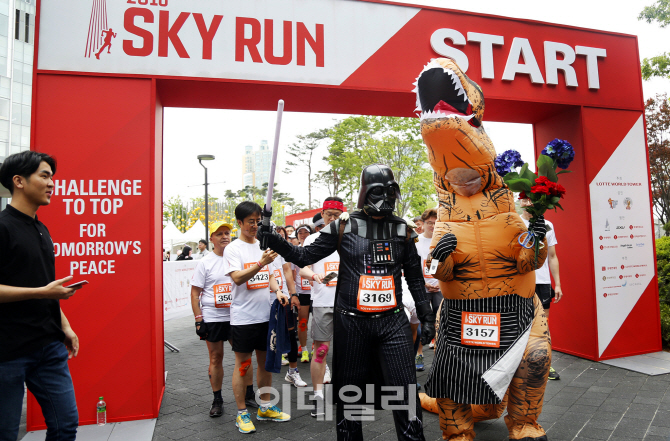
x=47, y=376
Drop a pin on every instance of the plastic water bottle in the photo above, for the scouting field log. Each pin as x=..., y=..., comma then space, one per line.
x=102, y=412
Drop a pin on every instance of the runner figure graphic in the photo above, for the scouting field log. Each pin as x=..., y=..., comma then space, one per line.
x=108, y=42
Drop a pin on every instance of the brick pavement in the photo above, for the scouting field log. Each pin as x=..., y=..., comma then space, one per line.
x=592, y=401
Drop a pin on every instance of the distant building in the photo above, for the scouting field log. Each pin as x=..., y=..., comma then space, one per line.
x=17, y=38
x=256, y=165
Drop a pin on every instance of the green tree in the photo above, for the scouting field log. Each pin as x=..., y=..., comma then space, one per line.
x=302, y=153
x=364, y=140
x=658, y=66
x=657, y=113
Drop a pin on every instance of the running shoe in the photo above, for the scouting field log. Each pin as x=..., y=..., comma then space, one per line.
x=272, y=414
x=299, y=349
x=326, y=376
x=284, y=360
x=294, y=378
x=319, y=409
x=244, y=423
x=418, y=362
x=553, y=375
x=305, y=356
x=217, y=408
x=432, y=344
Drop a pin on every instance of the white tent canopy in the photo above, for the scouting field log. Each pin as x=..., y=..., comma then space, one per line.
x=171, y=233
x=194, y=234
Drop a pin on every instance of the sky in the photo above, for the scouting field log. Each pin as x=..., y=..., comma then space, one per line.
x=225, y=133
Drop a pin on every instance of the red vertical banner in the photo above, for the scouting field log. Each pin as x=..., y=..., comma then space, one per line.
x=104, y=219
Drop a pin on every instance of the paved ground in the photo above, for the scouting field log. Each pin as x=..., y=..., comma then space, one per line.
x=592, y=401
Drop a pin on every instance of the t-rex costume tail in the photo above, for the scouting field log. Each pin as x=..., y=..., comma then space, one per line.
x=493, y=348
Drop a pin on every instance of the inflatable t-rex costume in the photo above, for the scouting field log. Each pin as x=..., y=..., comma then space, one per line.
x=493, y=348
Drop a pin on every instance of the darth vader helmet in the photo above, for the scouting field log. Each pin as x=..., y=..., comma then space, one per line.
x=379, y=190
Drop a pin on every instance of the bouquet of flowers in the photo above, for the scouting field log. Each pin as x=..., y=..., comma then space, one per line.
x=542, y=188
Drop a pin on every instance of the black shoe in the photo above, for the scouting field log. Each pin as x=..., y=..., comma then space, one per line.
x=250, y=401
x=319, y=407
x=217, y=408
x=553, y=375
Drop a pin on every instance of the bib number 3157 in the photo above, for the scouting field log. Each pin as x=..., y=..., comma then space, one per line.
x=376, y=294
x=480, y=329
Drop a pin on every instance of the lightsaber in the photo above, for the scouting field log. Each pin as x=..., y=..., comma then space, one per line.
x=267, y=210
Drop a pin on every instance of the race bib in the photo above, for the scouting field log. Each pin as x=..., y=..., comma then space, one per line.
x=376, y=293
x=279, y=279
x=304, y=284
x=426, y=271
x=480, y=329
x=332, y=267
x=223, y=295
x=260, y=280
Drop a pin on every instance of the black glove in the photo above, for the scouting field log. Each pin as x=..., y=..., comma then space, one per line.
x=267, y=236
x=538, y=227
x=445, y=246
x=201, y=329
x=427, y=318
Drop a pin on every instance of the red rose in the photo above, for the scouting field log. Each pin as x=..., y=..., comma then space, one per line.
x=540, y=189
x=560, y=190
x=522, y=195
x=543, y=180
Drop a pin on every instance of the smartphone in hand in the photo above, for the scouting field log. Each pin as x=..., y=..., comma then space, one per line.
x=77, y=284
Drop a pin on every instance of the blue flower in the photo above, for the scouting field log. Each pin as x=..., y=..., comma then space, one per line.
x=560, y=151
x=508, y=160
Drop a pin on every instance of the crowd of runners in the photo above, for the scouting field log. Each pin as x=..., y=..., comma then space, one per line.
x=235, y=286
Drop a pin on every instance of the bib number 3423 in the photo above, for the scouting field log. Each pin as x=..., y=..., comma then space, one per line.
x=480, y=329
x=260, y=280
x=376, y=294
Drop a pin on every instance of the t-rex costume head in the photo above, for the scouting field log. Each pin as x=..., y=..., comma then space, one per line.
x=459, y=150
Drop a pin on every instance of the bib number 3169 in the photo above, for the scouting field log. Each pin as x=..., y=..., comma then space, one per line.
x=376, y=294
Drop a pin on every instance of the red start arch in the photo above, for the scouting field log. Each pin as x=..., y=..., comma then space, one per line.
x=106, y=69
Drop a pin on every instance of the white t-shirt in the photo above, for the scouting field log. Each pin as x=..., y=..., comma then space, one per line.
x=323, y=296
x=542, y=276
x=250, y=299
x=211, y=276
x=422, y=247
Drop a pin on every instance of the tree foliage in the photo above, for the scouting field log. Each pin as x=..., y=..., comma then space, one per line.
x=359, y=141
x=663, y=271
x=657, y=112
x=658, y=66
x=302, y=153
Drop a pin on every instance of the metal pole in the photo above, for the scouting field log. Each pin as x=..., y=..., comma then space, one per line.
x=206, y=212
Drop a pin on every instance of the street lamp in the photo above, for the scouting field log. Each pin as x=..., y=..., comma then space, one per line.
x=200, y=159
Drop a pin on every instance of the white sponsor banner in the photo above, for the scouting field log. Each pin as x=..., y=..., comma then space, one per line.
x=623, y=238
x=177, y=288
x=297, y=41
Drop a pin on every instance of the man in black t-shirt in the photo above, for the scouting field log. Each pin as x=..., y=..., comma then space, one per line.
x=36, y=339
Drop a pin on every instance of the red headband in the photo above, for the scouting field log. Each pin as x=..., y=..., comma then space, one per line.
x=333, y=205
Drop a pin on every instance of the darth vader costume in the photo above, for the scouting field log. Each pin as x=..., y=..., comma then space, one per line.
x=372, y=340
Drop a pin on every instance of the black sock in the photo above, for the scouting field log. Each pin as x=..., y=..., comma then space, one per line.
x=250, y=391
x=217, y=395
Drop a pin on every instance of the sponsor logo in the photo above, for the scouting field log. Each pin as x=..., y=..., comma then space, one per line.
x=627, y=276
x=602, y=247
x=639, y=245
x=624, y=283
x=607, y=224
x=610, y=294
x=637, y=235
x=626, y=245
x=613, y=203
x=627, y=202
x=609, y=278
x=620, y=227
